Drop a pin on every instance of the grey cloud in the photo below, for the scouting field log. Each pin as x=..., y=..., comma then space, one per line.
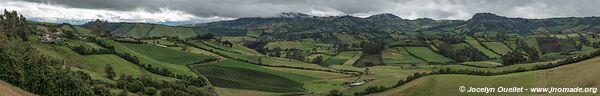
x=437, y=9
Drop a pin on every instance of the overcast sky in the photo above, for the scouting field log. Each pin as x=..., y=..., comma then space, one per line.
x=198, y=11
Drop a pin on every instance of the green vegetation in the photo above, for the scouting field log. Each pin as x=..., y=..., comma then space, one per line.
x=426, y=54
x=235, y=74
x=475, y=43
x=398, y=55
x=341, y=58
x=306, y=44
x=167, y=55
x=497, y=47
x=441, y=85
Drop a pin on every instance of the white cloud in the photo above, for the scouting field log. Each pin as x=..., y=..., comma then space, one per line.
x=59, y=13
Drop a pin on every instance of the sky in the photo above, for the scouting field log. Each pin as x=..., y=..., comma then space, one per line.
x=175, y=12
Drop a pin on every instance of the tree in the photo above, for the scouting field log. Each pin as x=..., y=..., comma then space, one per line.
x=151, y=91
x=110, y=73
x=318, y=60
x=135, y=86
x=513, y=57
x=335, y=92
x=167, y=92
x=205, y=36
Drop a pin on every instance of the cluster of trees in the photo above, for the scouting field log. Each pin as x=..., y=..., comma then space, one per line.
x=523, y=53
x=461, y=55
x=29, y=70
x=375, y=47
x=148, y=86
x=318, y=60
x=98, y=29
x=90, y=51
x=14, y=25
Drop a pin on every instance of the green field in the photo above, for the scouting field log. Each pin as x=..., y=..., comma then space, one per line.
x=235, y=74
x=347, y=38
x=460, y=46
x=124, y=28
x=306, y=44
x=427, y=54
x=473, y=42
x=181, y=32
x=341, y=58
x=138, y=31
x=166, y=55
x=96, y=63
x=497, y=47
x=398, y=55
x=237, y=39
x=275, y=61
x=175, y=68
x=572, y=75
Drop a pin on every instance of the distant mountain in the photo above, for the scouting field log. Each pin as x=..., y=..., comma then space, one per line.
x=298, y=25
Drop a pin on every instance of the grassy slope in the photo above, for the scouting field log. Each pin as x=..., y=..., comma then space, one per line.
x=341, y=58
x=181, y=32
x=427, y=54
x=473, y=42
x=95, y=63
x=573, y=75
x=167, y=55
x=254, y=58
x=124, y=28
x=138, y=31
x=498, y=47
x=235, y=74
x=304, y=44
x=179, y=69
x=398, y=56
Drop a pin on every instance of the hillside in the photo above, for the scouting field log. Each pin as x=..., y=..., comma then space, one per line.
x=574, y=75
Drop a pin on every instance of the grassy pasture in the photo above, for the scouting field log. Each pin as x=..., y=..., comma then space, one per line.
x=238, y=39
x=255, y=58
x=497, y=47
x=395, y=56
x=341, y=58
x=306, y=44
x=167, y=55
x=96, y=63
x=573, y=75
x=138, y=31
x=473, y=42
x=175, y=68
x=460, y=46
x=347, y=38
x=181, y=32
x=427, y=54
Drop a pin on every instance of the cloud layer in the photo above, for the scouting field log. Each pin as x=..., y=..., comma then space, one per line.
x=213, y=10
